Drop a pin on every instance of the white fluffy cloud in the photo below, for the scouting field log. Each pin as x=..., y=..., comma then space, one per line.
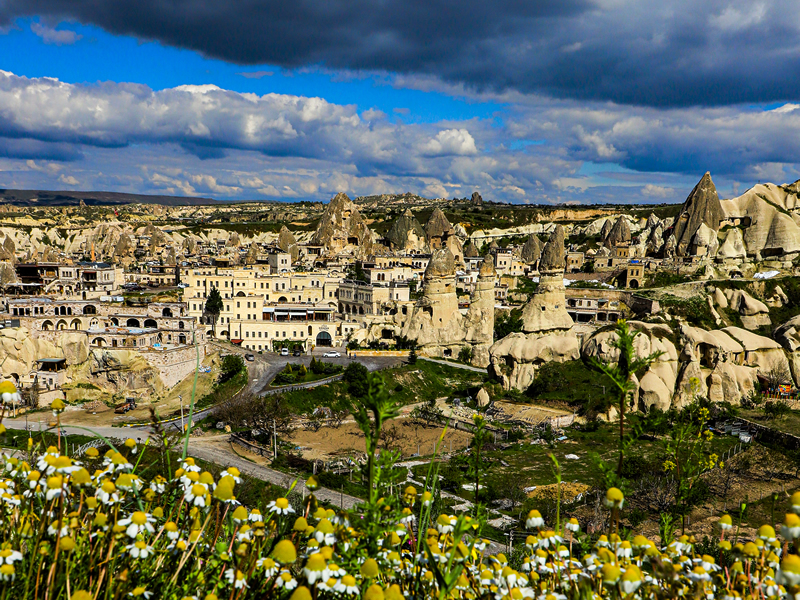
x=451, y=142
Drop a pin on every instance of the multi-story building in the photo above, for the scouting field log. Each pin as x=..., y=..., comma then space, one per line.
x=270, y=326
x=109, y=324
x=359, y=298
x=70, y=279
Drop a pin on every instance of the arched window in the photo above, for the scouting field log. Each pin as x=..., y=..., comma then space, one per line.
x=89, y=309
x=132, y=323
x=167, y=312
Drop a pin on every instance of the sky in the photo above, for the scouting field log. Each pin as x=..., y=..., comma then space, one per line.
x=524, y=101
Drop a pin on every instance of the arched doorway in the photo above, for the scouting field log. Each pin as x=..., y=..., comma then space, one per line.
x=76, y=324
x=167, y=312
x=324, y=339
x=150, y=323
x=61, y=325
x=89, y=309
x=181, y=339
x=132, y=323
x=99, y=342
x=47, y=326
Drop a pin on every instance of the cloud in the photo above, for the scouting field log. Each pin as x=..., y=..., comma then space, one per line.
x=256, y=74
x=451, y=142
x=657, y=191
x=652, y=52
x=68, y=180
x=401, y=111
x=57, y=37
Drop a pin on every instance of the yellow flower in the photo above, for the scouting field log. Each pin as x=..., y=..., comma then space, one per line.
x=614, y=498
x=66, y=544
x=81, y=595
x=284, y=552
x=301, y=593
x=370, y=569
x=374, y=592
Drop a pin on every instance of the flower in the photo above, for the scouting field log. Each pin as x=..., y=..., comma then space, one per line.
x=137, y=523
x=140, y=591
x=614, y=498
x=7, y=573
x=138, y=549
x=791, y=526
x=572, y=525
x=766, y=533
x=631, y=579
x=196, y=495
x=347, y=585
x=280, y=506
x=725, y=522
x=535, y=520
x=286, y=581
x=236, y=578
x=284, y=552
x=789, y=572
x=316, y=569
x=9, y=557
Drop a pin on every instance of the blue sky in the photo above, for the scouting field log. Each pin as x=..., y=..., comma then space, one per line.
x=566, y=113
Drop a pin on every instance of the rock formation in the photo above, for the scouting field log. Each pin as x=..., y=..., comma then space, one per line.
x=406, y=234
x=545, y=322
x=435, y=322
x=342, y=226
x=620, y=234
x=754, y=313
x=479, y=322
x=441, y=234
x=532, y=250
x=547, y=308
x=288, y=243
x=702, y=207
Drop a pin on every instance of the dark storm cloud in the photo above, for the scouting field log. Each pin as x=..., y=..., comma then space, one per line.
x=651, y=52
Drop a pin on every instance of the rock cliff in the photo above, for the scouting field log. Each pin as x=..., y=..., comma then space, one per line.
x=702, y=207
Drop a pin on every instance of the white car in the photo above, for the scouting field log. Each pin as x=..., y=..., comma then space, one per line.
x=284, y=352
x=183, y=285
x=332, y=354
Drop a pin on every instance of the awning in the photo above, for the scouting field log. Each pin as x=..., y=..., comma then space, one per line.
x=237, y=342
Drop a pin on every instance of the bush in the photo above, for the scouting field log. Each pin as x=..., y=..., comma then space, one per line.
x=356, y=377
x=465, y=354
x=232, y=365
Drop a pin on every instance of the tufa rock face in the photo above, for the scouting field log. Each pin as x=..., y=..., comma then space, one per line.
x=532, y=250
x=341, y=226
x=471, y=250
x=476, y=198
x=620, y=233
x=438, y=225
x=701, y=207
x=407, y=233
x=553, y=254
x=442, y=264
x=288, y=243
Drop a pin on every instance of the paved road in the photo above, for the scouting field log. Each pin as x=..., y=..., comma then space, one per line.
x=455, y=365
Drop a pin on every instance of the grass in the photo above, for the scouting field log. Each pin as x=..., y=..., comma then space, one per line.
x=407, y=384
x=571, y=382
x=788, y=424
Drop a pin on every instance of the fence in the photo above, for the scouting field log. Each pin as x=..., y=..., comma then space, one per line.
x=762, y=433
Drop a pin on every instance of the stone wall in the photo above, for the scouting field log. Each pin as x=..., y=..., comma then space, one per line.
x=174, y=364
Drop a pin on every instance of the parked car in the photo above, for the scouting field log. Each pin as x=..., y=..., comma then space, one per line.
x=183, y=285
x=250, y=357
x=284, y=352
x=296, y=351
x=332, y=354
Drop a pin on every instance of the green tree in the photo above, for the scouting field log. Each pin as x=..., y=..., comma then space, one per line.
x=356, y=375
x=412, y=357
x=621, y=374
x=465, y=354
x=231, y=366
x=214, y=307
x=506, y=322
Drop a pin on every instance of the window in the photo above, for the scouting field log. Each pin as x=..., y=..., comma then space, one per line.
x=238, y=304
x=246, y=334
x=238, y=316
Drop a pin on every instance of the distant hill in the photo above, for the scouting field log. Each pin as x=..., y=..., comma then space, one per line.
x=66, y=198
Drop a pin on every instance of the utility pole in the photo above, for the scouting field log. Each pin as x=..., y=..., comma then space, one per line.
x=275, y=438
x=183, y=427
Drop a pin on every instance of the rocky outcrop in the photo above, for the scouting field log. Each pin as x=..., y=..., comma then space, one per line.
x=657, y=385
x=532, y=250
x=479, y=321
x=702, y=207
x=441, y=234
x=435, y=322
x=288, y=243
x=547, y=308
x=620, y=233
x=19, y=351
x=754, y=313
x=765, y=213
x=516, y=358
x=788, y=336
x=123, y=371
x=406, y=234
x=342, y=227
x=733, y=247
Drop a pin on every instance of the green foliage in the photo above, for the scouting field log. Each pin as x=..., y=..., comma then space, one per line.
x=214, y=303
x=572, y=382
x=412, y=357
x=621, y=374
x=695, y=309
x=356, y=376
x=465, y=354
x=666, y=278
x=231, y=365
x=507, y=322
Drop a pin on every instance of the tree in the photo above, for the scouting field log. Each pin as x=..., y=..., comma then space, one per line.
x=428, y=412
x=621, y=374
x=231, y=366
x=777, y=374
x=356, y=376
x=507, y=322
x=214, y=307
x=412, y=357
x=477, y=467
